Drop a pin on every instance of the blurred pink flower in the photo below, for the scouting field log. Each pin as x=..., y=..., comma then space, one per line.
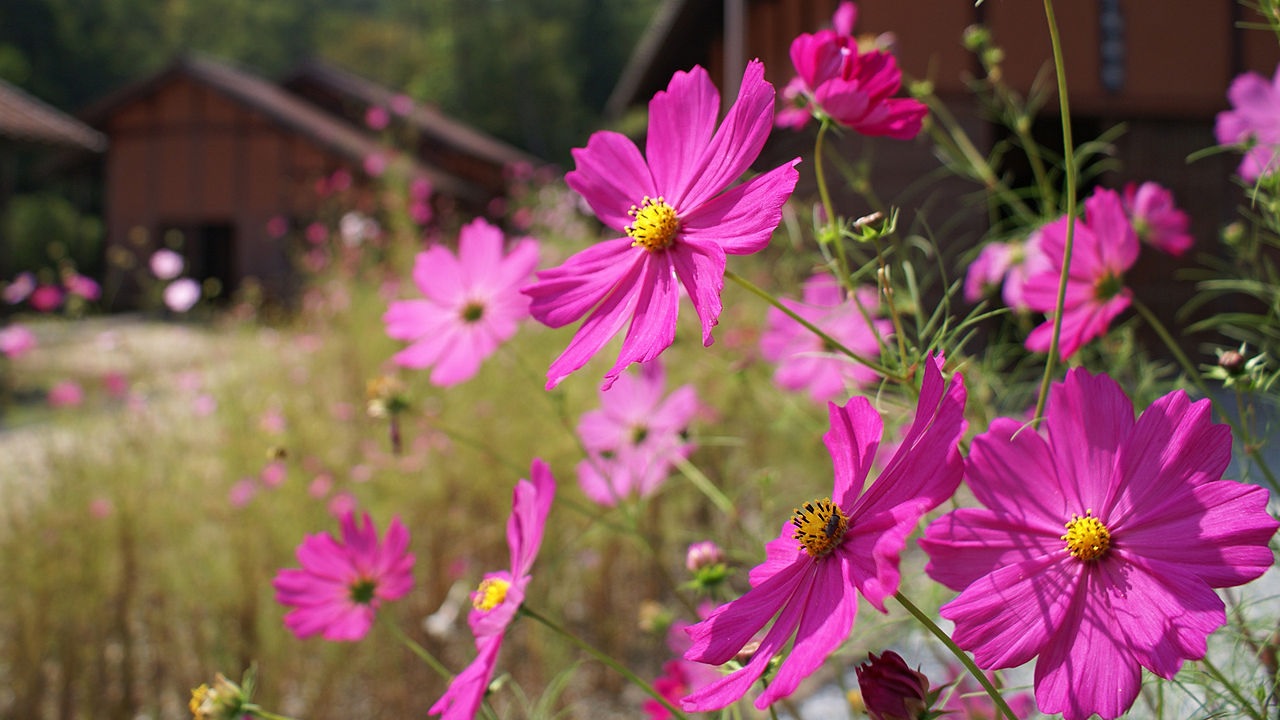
x=420, y=211
x=377, y=118
x=344, y=503
x=1151, y=531
x=1105, y=247
x=116, y=384
x=472, y=303
x=1008, y=263
x=82, y=287
x=1252, y=122
x=242, y=492
x=45, y=298
x=272, y=421
x=317, y=233
x=16, y=341
x=101, y=507
x=375, y=164
x=679, y=677
x=804, y=362
x=340, y=180
x=836, y=547
x=853, y=87
x=182, y=294
x=204, y=405
x=277, y=226
x=401, y=104
x=320, y=486
x=635, y=436
x=65, y=394
x=420, y=189
x=274, y=473
x=679, y=216
x=701, y=554
x=342, y=584
x=19, y=288
x=495, y=602
x=1156, y=220
x=166, y=264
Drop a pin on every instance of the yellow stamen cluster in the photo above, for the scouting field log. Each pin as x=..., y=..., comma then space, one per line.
x=1087, y=538
x=820, y=526
x=490, y=594
x=655, y=224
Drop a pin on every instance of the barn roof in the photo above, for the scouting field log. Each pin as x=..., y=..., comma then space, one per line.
x=280, y=106
x=425, y=118
x=27, y=119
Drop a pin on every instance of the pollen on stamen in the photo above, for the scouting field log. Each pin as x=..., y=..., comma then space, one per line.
x=655, y=225
x=490, y=594
x=1087, y=538
x=820, y=526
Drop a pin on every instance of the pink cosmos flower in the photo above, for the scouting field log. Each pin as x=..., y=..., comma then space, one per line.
x=1151, y=530
x=803, y=361
x=342, y=584
x=679, y=216
x=849, y=540
x=853, y=87
x=1008, y=263
x=19, y=288
x=679, y=676
x=65, y=394
x=317, y=233
x=342, y=504
x=166, y=264
x=116, y=384
x=635, y=436
x=182, y=294
x=1105, y=247
x=1254, y=122
x=82, y=287
x=45, y=298
x=375, y=164
x=16, y=341
x=1155, y=218
x=377, y=118
x=242, y=492
x=401, y=105
x=495, y=602
x=472, y=305
x=278, y=226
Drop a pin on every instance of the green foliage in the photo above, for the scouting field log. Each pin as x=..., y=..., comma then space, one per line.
x=45, y=231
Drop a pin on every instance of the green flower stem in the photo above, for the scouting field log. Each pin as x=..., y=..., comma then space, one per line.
x=886, y=289
x=420, y=651
x=973, y=669
x=1069, y=160
x=832, y=342
x=832, y=232
x=705, y=486
x=1193, y=375
x=1216, y=674
x=607, y=660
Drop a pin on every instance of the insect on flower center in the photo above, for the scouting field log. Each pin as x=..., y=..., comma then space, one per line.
x=820, y=526
x=362, y=591
x=1087, y=538
x=472, y=312
x=490, y=594
x=655, y=225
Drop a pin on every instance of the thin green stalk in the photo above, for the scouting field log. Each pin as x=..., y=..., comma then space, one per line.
x=1193, y=375
x=1216, y=674
x=830, y=341
x=606, y=659
x=887, y=290
x=705, y=486
x=422, y=653
x=973, y=669
x=1068, y=159
x=832, y=232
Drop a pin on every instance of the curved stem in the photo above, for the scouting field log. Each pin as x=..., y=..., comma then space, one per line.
x=1216, y=674
x=1193, y=375
x=606, y=659
x=1069, y=160
x=963, y=657
x=830, y=341
x=422, y=653
x=832, y=232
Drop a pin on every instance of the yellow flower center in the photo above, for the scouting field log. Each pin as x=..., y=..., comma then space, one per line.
x=490, y=594
x=655, y=224
x=820, y=526
x=1087, y=538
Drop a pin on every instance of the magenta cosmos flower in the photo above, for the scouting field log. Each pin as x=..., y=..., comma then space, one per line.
x=853, y=87
x=1254, y=122
x=1151, y=530
x=679, y=216
x=342, y=584
x=472, y=305
x=495, y=602
x=836, y=547
x=804, y=362
x=1006, y=265
x=635, y=436
x=1156, y=220
x=16, y=341
x=1105, y=247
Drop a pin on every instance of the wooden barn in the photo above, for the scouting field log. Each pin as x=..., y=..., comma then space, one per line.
x=213, y=152
x=1160, y=67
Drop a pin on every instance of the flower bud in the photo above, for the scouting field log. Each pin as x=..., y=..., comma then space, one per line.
x=891, y=690
x=703, y=554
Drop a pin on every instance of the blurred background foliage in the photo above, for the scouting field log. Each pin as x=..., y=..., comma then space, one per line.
x=558, y=58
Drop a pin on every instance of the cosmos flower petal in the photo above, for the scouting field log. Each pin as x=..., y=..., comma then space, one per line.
x=828, y=618
x=610, y=174
x=852, y=440
x=466, y=691
x=530, y=505
x=1086, y=452
x=729, y=627
x=742, y=219
x=439, y=276
x=1088, y=668
x=653, y=324
x=682, y=121
x=569, y=291
x=966, y=544
x=463, y=353
x=1000, y=460
x=604, y=322
x=700, y=266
